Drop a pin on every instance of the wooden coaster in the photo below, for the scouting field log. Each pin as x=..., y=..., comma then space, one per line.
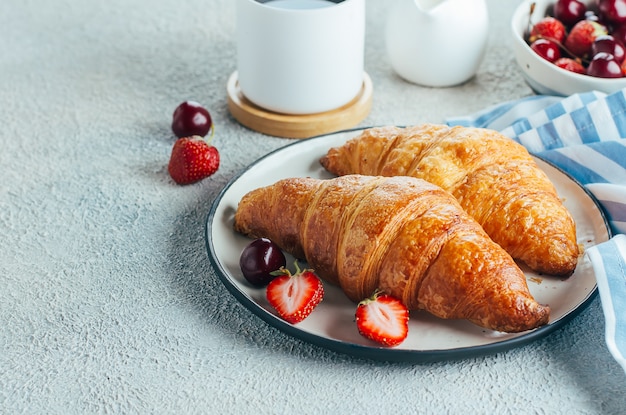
x=298, y=126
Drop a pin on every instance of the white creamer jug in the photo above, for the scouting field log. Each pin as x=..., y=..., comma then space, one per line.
x=437, y=43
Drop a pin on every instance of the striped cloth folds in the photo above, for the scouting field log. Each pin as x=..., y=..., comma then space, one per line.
x=584, y=135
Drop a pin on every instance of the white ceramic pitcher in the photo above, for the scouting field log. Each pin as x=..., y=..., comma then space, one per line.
x=437, y=43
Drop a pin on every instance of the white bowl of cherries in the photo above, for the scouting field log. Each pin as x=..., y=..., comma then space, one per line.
x=569, y=46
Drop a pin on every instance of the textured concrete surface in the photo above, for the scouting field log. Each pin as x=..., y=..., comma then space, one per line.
x=108, y=302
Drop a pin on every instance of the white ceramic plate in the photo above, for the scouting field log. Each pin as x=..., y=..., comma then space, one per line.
x=331, y=325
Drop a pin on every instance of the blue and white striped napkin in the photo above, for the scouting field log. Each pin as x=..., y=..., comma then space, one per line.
x=585, y=135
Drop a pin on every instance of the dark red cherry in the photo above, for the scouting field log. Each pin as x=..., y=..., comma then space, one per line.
x=547, y=49
x=614, y=11
x=619, y=33
x=604, y=65
x=569, y=11
x=259, y=259
x=608, y=44
x=191, y=118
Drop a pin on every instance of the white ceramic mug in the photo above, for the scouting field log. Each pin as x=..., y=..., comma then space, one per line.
x=300, y=56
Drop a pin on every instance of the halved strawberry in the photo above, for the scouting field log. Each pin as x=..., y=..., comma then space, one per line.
x=295, y=296
x=383, y=319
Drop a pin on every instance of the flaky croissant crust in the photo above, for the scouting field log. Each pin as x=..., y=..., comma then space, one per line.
x=494, y=179
x=399, y=234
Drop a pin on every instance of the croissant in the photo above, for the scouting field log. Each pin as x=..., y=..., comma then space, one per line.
x=402, y=235
x=494, y=179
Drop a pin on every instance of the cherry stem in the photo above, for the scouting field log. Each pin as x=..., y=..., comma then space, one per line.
x=530, y=15
x=567, y=51
x=210, y=137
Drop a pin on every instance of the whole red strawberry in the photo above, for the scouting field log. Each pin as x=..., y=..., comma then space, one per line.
x=582, y=36
x=295, y=296
x=570, y=64
x=383, y=319
x=548, y=28
x=192, y=159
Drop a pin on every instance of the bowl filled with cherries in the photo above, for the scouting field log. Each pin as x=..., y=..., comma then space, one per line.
x=565, y=47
